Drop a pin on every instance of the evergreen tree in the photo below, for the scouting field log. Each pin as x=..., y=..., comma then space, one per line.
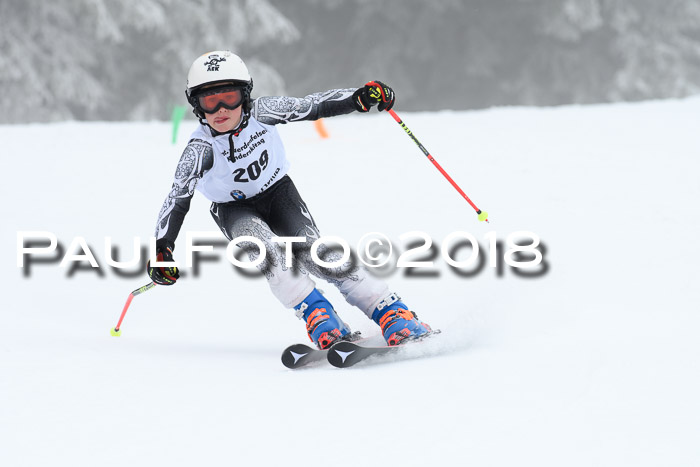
x=128, y=59
x=100, y=59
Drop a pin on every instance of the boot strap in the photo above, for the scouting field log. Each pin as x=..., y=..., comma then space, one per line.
x=390, y=300
x=300, y=312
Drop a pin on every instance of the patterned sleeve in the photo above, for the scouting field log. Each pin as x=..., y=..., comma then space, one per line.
x=195, y=160
x=281, y=109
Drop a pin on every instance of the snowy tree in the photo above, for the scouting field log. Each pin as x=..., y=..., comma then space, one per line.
x=88, y=59
x=128, y=59
x=46, y=61
x=651, y=47
x=477, y=53
x=194, y=28
x=659, y=43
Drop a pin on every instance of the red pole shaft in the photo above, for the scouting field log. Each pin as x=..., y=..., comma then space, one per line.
x=435, y=163
x=126, y=307
x=136, y=292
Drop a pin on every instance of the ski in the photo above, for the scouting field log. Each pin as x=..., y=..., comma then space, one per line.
x=347, y=354
x=299, y=355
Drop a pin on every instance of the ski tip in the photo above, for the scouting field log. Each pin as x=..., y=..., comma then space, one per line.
x=346, y=354
x=296, y=355
x=340, y=355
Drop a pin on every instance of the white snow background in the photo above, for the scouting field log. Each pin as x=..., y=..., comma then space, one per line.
x=595, y=363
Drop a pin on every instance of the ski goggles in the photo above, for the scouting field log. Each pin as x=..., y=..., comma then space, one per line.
x=227, y=97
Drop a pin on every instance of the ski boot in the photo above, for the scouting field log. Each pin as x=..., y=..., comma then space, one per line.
x=322, y=322
x=397, y=322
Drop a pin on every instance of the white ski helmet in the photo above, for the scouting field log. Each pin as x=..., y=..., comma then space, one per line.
x=218, y=67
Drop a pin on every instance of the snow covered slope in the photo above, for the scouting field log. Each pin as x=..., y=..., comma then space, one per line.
x=594, y=362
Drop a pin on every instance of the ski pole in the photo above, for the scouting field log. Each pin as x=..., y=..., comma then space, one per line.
x=116, y=331
x=483, y=216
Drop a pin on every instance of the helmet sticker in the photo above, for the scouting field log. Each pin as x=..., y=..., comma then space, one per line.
x=213, y=63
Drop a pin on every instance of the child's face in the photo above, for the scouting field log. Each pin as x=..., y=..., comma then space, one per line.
x=224, y=120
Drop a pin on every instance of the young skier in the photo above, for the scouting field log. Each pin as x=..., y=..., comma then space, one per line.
x=236, y=159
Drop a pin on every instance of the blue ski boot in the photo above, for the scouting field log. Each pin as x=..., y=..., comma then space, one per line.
x=397, y=322
x=322, y=323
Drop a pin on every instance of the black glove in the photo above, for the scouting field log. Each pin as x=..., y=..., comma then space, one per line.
x=374, y=92
x=163, y=275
